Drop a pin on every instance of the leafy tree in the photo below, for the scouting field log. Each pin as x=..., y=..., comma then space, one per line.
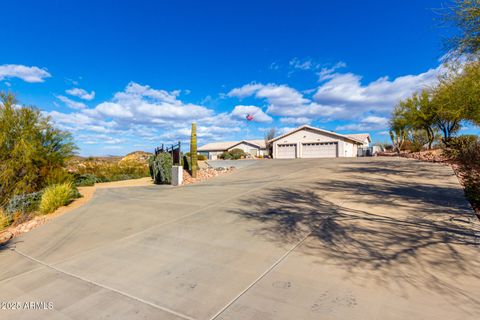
x=420, y=113
x=465, y=91
x=31, y=148
x=399, y=126
x=450, y=103
x=418, y=138
x=269, y=135
x=465, y=15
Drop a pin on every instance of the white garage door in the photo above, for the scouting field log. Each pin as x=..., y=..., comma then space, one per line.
x=319, y=150
x=286, y=151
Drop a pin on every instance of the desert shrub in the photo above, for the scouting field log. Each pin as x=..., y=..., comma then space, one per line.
x=201, y=157
x=226, y=155
x=23, y=203
x=237, y=153
x=4, y=220
x=106, y=171
x=472, y=190
x=58, y=176
x=150, y=161
x=30, y=148
x=162, y=168
x=418, y=140
x=55, y=196
x=233, y=154
x=83, y=180
x=186, y=163
x=465, y=151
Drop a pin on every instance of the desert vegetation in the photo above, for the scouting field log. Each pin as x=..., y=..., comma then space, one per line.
x=233, y=154
x=435, y=115
x=33, y=154
x=39, y=170
x=88, y=171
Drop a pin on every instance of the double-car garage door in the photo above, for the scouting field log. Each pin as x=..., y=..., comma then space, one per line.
x=309, y=150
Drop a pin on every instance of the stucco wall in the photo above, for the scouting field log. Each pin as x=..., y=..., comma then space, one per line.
x=249, y=148
x=213, y=155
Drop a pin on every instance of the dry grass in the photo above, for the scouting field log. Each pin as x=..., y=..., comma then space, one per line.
x=56, y=196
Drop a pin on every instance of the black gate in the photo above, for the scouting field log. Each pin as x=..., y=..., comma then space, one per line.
x=174, y=150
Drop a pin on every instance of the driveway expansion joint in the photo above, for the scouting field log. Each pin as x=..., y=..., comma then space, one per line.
x=151, y=304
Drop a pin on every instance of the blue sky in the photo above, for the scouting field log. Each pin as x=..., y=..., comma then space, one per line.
x=125, y=75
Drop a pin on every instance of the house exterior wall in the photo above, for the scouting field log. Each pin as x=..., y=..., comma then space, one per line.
x=345, y=148
x=350, y=149
x=251, y=149
x=365, y=144
x=247, y=148
x=214, y=155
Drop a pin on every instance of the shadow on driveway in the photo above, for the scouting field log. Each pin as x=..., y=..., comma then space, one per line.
x=392, y=249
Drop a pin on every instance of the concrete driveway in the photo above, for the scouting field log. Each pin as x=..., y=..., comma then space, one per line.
x=364, y=238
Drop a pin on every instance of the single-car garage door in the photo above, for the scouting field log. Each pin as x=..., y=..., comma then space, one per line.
x=320, y=150
x=286, y=151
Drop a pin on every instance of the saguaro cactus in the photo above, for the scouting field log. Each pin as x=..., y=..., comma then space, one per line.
x=193, y=150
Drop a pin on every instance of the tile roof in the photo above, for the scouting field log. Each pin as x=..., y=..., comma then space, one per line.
x=360, y=136
x=222, y=146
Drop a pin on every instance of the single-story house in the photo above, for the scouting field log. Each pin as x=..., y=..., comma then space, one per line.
x=365, y=137
x=215, y=149
x=311, y=142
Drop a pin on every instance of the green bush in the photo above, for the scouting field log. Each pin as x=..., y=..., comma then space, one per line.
x=225, y=156
x=465, y=151
x=58, y=176
x=150, y=161
x=30, y=149
x=162, y=168
x=84, y=180
x=472, y=190
x=55, y=196
x=201, y=157
x=237, y=153
x=186, y=163
x=22, y=204
x=233, y=154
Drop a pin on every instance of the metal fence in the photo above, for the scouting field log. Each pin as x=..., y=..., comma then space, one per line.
x=174, y=150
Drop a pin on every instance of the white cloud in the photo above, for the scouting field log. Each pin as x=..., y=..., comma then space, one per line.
x=327, y=72
x=285, y=130
x=78, y=121
x=285, y=101
x=71, y=103
x=297, y=121
x=143, y=114
x=81, y=93
x=142, y=104
x=241, y=112
x=340, y=96
x=346, y=90
x=99, y=139
x=369, y=123
x=302, y=64
x=274, y=66
x=113, y=110
x=245, y=91
x=28, y=74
